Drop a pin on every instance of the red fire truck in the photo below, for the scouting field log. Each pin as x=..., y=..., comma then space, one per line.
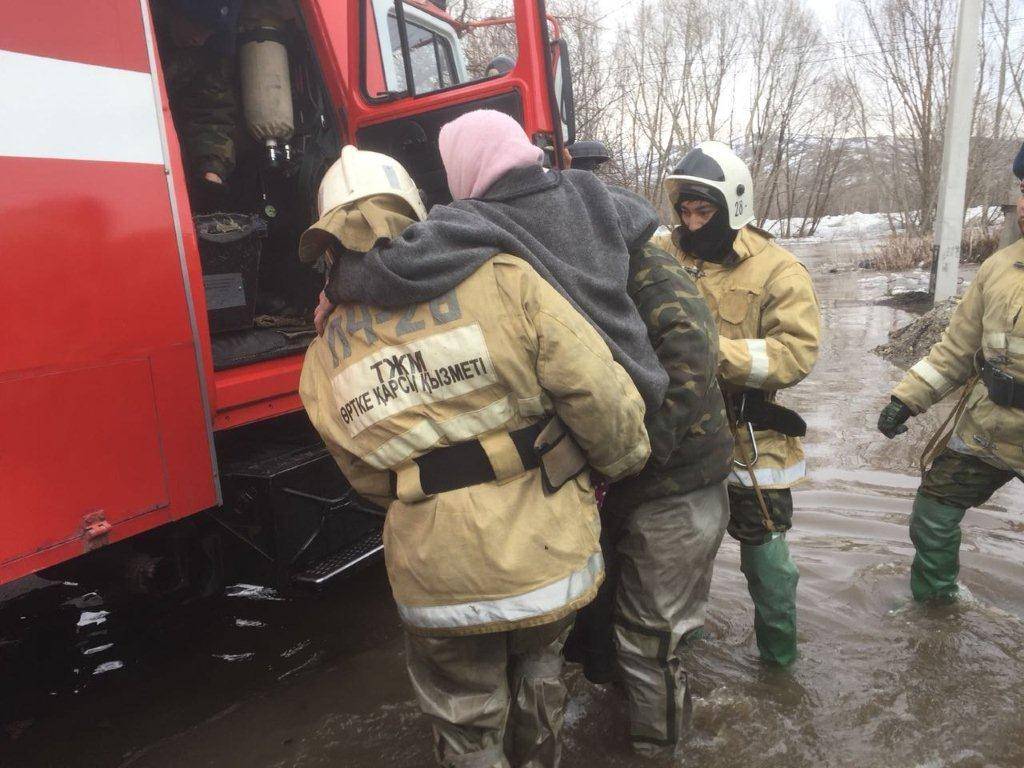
x=135, y=426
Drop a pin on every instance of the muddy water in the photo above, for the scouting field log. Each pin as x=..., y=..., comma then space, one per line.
x=255, y=678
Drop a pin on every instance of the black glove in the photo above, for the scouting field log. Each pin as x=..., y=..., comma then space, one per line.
x=890, y=420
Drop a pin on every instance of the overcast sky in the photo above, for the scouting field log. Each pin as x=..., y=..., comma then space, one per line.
x=619, y=10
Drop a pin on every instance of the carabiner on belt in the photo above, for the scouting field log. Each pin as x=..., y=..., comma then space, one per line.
x=750, y=431
x=753, y=442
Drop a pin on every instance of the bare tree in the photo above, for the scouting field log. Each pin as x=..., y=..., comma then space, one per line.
x=673, y=61
x=828, y=123
x=581, y=27
x=906, y=79
x=784, y=39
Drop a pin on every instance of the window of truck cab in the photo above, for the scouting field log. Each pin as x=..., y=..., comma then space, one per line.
x=433, y=66
x=433, y=48
x=443, y=53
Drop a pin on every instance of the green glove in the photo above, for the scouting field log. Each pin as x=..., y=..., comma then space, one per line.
x=890, y=420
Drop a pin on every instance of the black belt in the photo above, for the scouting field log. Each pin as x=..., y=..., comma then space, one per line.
x=752, y=406
x=1003, y=389
x=466, y=464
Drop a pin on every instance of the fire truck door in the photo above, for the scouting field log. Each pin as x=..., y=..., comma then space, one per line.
x=410, y=68
x=104, y=429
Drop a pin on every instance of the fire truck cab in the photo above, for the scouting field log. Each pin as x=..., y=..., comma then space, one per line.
x=151, y=354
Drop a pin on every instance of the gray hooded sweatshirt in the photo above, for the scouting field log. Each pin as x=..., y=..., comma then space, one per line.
x=573, y=229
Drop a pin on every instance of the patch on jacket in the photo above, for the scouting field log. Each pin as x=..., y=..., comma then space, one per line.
x=396, y=378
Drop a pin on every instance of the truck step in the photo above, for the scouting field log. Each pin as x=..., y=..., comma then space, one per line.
x=362, y=552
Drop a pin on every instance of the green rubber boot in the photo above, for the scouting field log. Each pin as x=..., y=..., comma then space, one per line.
x=771, y=579
x=935, y=531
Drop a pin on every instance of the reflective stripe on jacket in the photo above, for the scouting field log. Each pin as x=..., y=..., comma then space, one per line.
x=500, y=352
x=768, y=320
x=990, y=318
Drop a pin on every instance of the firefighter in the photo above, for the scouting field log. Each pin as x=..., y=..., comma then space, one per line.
x=473, y=418
x=982, y=351
x=500, y=65
x=573, y=229
x=586, y=155
x=768, y=323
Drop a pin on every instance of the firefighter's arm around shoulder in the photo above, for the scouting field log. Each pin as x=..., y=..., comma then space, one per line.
x=787, y=347
x=591, y=393
x=683, y=334
x=950, y=362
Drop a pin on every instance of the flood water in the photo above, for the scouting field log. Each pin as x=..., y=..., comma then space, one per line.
x=256, y=679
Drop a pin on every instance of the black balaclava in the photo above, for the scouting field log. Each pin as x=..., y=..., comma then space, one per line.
x=712, y=242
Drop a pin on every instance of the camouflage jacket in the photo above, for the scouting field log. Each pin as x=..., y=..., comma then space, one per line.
x=691, y=446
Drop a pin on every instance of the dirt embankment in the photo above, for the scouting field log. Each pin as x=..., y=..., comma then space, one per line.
x=910, y=343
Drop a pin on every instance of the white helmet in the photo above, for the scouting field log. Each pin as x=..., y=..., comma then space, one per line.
x=717, y=174
x=359, y=174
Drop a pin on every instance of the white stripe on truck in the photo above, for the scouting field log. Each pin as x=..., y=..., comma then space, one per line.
x=55, y=109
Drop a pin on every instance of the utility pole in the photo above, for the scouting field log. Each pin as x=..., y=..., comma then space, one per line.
x=949, y=218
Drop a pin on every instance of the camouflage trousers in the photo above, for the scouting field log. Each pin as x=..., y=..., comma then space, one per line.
x=746, y=521
x=961, y=480
x=494, y=700
x=204, y=102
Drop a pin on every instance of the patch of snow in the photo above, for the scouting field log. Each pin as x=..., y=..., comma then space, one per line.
x=92, y=617
x=97, y=649
x=292, y=651
x=108, y=666
x=849, y=226
x=233, y=656
x=995, y=213
x=252, y=592
x=249, y=623
x=845, y=226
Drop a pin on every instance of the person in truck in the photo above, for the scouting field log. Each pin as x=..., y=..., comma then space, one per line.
x=768, y=325
x=197, y=41
x=982, y=353
x=473, y=414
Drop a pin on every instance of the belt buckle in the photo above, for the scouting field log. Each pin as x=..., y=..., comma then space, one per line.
x=1003, y=386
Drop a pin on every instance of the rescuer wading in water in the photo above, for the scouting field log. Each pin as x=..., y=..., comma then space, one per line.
x=767, y=315
x=473, y=417
x=982, y=351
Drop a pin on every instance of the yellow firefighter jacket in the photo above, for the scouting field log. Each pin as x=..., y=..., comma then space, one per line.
x=768, y=324
x=990, y=319
x=500, y=352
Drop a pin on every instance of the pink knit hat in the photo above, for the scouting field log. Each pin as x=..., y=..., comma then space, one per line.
x=480, y=147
